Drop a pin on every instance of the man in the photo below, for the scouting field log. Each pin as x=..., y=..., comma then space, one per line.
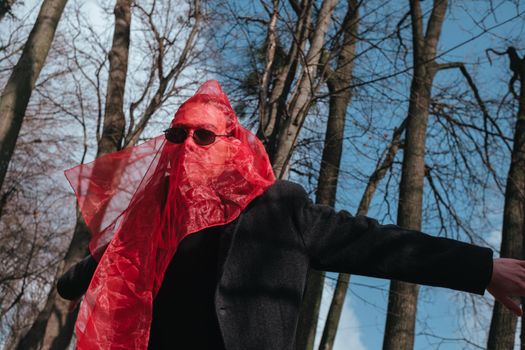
x=198, y=247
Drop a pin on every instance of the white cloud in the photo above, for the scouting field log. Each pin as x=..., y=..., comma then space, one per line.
x=348, y=334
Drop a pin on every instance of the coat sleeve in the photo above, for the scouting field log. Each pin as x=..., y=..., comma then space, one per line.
x=75, y=282
x=340, y=242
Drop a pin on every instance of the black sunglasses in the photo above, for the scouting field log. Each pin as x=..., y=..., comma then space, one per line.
x=201, y=136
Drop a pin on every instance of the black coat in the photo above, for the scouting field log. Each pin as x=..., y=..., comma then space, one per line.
x=264, y=256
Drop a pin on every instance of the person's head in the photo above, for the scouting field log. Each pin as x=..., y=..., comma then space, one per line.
x=203, y=128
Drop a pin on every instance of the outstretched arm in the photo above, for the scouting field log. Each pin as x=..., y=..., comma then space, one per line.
x=340, y=242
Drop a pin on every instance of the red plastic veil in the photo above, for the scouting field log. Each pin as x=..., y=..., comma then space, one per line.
x=145, y=199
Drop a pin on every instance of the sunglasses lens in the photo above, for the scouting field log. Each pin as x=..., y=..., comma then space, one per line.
x=203, y=137
x=176, y=135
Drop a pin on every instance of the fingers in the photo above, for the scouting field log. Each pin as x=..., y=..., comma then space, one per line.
x=511, y=305
x=508, y=277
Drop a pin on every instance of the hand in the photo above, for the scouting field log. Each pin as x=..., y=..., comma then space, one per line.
x=508, y=279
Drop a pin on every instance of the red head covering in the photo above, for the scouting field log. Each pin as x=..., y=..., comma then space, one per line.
x=145, y=199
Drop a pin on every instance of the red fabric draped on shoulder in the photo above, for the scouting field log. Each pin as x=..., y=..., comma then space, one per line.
x=145, y=199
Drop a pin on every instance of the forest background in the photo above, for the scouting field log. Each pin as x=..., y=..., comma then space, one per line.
x=369, y=104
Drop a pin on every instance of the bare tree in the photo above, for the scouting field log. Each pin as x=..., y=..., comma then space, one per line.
x=59, y=321
x=275, y=102
x=146, y=99
x=302, y=96
x=16, y=94
x=337, y=81
x=30, y=234
x=402, y=300
x=503, y=324
x=274, y=108
x=284, y=109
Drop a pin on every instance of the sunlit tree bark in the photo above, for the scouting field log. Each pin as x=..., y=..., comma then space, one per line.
x=19, y=87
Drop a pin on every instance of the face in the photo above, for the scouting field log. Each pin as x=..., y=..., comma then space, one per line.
x=204, y=162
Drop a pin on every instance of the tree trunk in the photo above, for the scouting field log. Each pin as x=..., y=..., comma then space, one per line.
x=402, y=300
x=503, y=324
x=17, y=92
x=55, y=308
x=61, y=322
x=33, y=338
x=340, y=97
